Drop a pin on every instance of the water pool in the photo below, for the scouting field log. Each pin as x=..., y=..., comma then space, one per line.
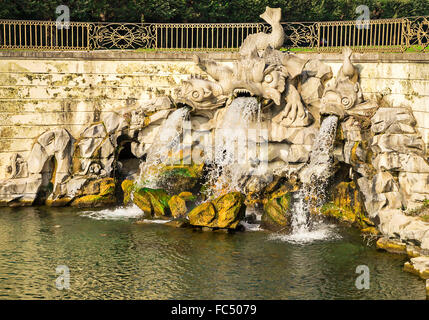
x=116, y=259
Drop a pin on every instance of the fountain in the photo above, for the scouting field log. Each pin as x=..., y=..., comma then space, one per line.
x=260, y=133
x=315, y=176
x=232, y=150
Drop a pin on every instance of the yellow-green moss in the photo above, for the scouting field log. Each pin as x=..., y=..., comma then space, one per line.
x=93, y=200
x=392, y=246
x=346, y=206
x=225, y=211
x=105, y=194
x=107, y=186
x=276, y=214
x=371, y=230
x=153, y=202
x=187, y=196
x=177, y=206
x=339, y=213
x=127, y=186
x=353, y=156
x=61, y=202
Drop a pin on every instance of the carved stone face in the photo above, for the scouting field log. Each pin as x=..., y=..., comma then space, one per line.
x=273, y=83
x=339, y=98
x=200, y=94
x=258, y=79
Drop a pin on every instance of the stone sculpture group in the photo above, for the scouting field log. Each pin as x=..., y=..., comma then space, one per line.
x=378, y=145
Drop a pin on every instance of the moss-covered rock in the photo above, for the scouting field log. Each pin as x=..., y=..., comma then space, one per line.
x=419, y=266
x=230, y=209
x=346, y=206
x=187, y=196
x=176, y=178
x=104, y=190
x=391, y=245
x=277, y=215
x=178, y=223
x=177, y=206
x=346, y=195
x=58, y=202
x=153, y=202
x=142, y=200
x=225, y=211
x=127, y=187
x=203, y=215
x=331, y=210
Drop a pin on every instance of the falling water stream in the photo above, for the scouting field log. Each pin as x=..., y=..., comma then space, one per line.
x=315, y=179
x=231, y=162
x=167, y=141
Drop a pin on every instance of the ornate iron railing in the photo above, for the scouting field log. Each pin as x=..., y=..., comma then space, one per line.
x=395, y=35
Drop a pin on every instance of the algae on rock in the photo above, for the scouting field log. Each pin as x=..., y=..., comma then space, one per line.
x=277, y=214
x=225, y=211
x=153, y=202
x=99, y=193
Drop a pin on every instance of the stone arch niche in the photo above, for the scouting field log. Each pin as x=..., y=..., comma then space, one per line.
x=127, y=160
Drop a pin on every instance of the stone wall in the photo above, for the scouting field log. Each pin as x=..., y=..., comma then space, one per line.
x=44, y=90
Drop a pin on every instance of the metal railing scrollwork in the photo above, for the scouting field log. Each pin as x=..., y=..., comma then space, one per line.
x=121, y=36
x=382, y=35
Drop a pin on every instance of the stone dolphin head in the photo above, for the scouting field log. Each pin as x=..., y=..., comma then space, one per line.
x=258, y=78
x=340, y=97
x=200, y=94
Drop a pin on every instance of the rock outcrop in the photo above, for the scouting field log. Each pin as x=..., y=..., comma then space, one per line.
x=277, y=213
x=225, y=211
x=153, y=203
x=418, y=266
x=97, y=193
x=178, y=206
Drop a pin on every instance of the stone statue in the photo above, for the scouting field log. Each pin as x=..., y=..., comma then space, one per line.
x=272, y=76
x=345, y=94
x=379, y=144
x=260, y=41
x=201, y=94
x=17, y=167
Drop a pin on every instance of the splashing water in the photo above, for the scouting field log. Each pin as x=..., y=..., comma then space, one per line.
x=315, y=179
x=230, y=162
x=319, y=231
x=121, y=213
x=166, y=143
x=132, y=212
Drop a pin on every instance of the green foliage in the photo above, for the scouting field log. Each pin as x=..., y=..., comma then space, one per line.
x=208, y=10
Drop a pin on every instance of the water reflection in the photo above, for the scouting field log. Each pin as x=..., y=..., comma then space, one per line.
x=121, y=260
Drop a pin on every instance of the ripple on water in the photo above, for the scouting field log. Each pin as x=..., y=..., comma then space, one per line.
x=117, y=259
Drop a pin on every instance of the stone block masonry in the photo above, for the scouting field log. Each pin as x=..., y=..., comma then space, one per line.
x=46, y=90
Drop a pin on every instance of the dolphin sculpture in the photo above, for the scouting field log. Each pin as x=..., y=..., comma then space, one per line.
x=262, y=40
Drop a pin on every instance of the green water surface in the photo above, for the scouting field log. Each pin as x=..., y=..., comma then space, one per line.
x=116, y=259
